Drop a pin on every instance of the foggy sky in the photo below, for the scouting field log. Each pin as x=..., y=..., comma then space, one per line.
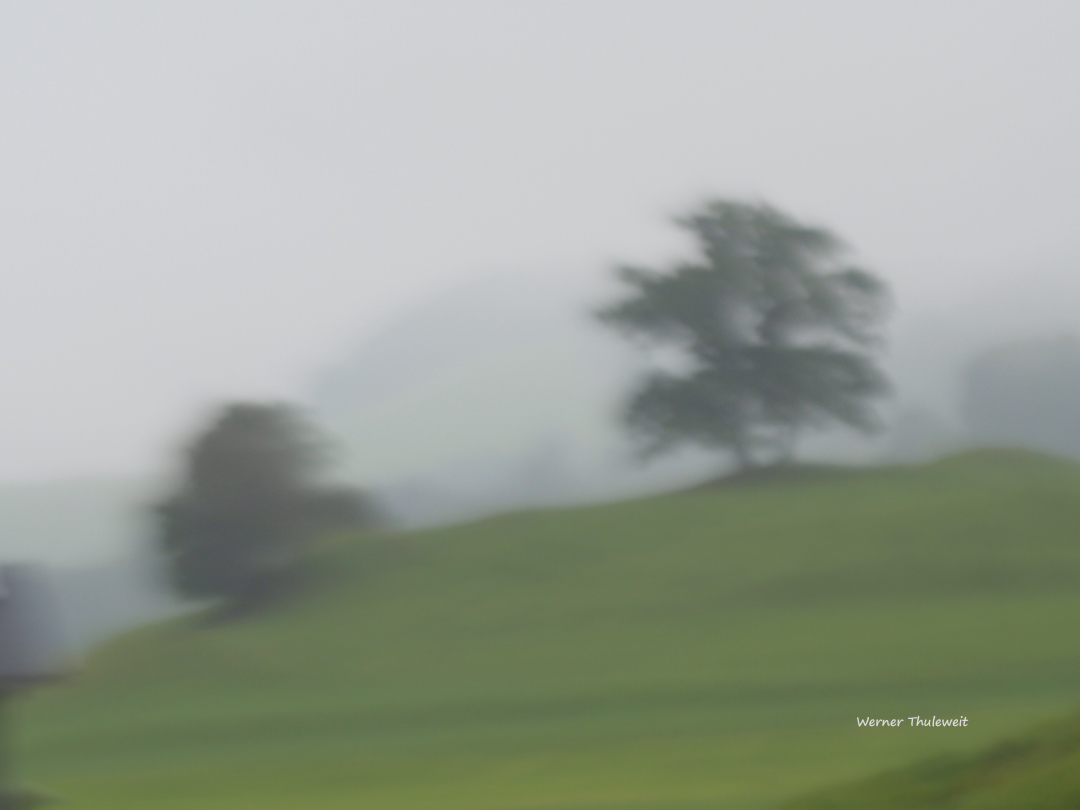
x=206, y=200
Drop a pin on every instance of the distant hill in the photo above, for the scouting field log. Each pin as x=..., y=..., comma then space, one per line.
x=705, y=648
x=498, y=394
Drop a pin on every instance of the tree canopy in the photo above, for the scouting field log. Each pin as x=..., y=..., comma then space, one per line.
x=776, y=327
x=251, y=503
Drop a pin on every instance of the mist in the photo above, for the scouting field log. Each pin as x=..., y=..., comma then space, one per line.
x=205, y=202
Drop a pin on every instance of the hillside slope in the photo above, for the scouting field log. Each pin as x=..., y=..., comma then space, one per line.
x=709, y=648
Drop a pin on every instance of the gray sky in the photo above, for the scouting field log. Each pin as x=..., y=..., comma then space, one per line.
x=203, y=200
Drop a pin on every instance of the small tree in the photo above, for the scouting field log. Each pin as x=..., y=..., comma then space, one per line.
x=776, y=329
x=250, y=504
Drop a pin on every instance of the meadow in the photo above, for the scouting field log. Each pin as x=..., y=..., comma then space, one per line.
x=710, y=648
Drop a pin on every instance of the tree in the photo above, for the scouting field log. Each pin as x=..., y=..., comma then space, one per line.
x=250, y=505
x=776, y=329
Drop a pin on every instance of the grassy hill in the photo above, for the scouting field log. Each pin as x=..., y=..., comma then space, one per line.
x=704, y=649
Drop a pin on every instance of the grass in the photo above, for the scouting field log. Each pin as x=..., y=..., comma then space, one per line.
x=704, y=649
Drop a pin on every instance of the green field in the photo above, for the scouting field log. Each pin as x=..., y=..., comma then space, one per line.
x=705, y=649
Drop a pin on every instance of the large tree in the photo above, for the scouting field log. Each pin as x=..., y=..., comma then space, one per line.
x=776, y=328
x=250, y=504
